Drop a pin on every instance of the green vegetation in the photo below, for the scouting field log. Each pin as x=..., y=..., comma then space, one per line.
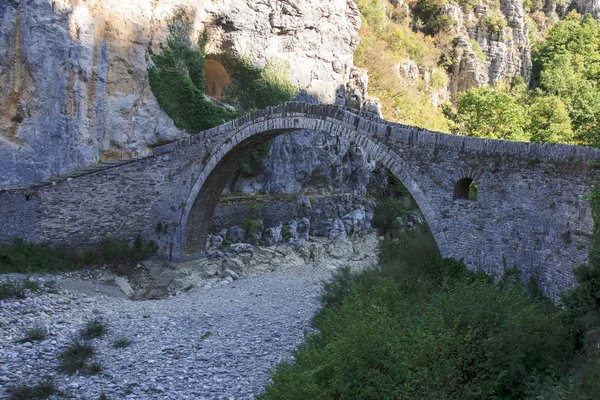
x=29, y=258
x=42, y=390
x=94, y=328
x=490, y=113
x=386, y=41
x=33, y=335
x=495, y=22
x=256, y=88
x=442, y=331
x=177, y=80
x=18, y=289
x=122, y=343
x=582, y=315
x=252, y=226
x=253, y=165
x=419, y=327
x=478, y=50
x=563, y=103
x=75, y=357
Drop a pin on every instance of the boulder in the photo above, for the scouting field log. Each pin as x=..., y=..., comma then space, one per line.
x=354, y=221
x=272, y=236
x=338, y=229
x=236, y=234
x=233, y=264
x=227, y=273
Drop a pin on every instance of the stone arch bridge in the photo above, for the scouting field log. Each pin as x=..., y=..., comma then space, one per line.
x=529, y=212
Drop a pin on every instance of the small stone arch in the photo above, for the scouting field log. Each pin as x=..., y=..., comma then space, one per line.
x=465, y=189
x=206, y=191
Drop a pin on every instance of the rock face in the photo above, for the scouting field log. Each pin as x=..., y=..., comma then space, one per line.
x=306, y=161
x=492, y=46
x=73, y=75
x=288, y=220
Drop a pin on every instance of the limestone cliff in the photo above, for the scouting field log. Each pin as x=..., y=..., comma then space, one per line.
x=73, y=74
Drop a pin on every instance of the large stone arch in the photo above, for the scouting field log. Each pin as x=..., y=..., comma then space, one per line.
x=196, y=217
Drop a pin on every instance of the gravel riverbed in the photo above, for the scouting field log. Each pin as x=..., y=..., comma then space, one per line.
x=217, y=343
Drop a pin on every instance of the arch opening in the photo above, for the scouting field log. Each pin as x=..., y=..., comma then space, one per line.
x=465, y=189
x=200, y=217
x=196, y=220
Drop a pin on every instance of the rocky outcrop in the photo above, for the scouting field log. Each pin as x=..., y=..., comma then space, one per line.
x=73, y=75
x=241, y=260
x=266, y=220
x=491, y=45
x=587, y=7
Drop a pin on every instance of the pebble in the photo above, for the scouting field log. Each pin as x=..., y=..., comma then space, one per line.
x=215, y=343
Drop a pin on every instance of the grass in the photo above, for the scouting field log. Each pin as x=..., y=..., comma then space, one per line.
x=22, y=257
x=122, y=343
x=95, y=328
x=18, y=288
x=42, y=390
x=75, y=357
x=33, y=335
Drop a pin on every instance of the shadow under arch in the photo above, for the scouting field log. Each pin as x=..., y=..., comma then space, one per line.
x=196, y=218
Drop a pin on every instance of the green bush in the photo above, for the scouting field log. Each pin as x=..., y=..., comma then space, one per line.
x=23, y=257
x=477, y=50
x=395, y=339
x=388, y=210
x=75, y=357
x=252, y=226
x=18, y=288
x=94, y=328
x=495, y=22
x=177, y=80
x=33, y=335
x=256, y=88
x=420, y=327
x=42, y=390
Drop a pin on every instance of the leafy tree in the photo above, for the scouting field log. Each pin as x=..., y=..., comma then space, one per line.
x=549, y=120
x=490, y=112
x=567, y=65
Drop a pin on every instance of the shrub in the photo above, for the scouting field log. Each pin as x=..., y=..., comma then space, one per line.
x=94, y=329
x=42, y=390
x=495, y=22
x=122, y=343
x=33, y=335
x=336, y=288
x=252, y=226
x=390, y=338
x=477, y=50
x=386, y=214
x=256, y=88
x=383, y=44
x=29, y=258
x=74, y=358
x=18, y=289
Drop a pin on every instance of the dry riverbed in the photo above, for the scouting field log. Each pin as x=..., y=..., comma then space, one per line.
x=217, y=342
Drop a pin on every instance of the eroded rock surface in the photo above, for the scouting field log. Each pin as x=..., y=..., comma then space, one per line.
x=73, y=75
